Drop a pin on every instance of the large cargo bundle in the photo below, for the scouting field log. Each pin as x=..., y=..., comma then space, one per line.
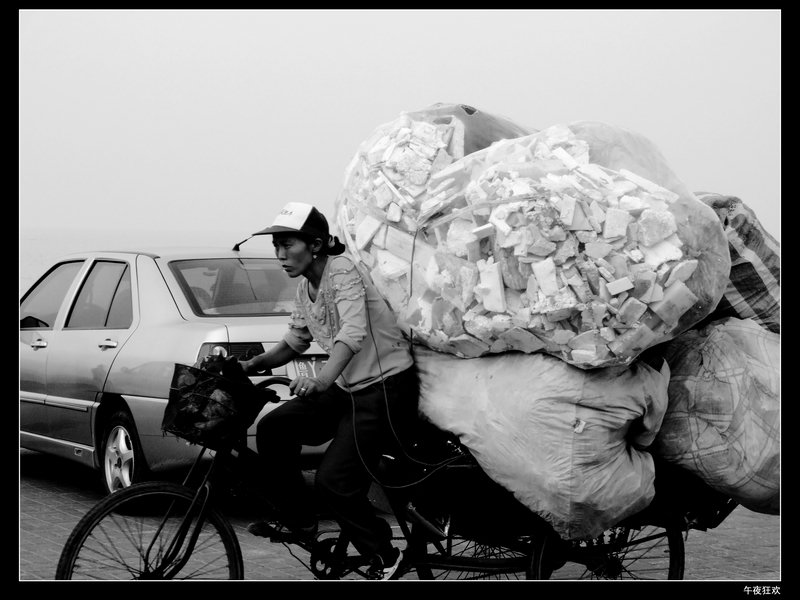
x=568, y=443
x=754, y=286
x=723, y=418
x=576, y=241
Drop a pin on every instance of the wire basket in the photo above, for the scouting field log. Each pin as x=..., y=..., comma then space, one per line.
x=211, y=410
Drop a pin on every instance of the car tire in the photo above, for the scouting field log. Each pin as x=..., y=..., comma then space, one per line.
x=121, y=458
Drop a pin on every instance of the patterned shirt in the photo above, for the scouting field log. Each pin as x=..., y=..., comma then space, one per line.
x=347, y=308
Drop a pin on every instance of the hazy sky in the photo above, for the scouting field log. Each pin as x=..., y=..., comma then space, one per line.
x=183, y=120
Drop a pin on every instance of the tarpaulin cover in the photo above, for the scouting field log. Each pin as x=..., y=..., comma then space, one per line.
x=566, y=442
x=754, y=286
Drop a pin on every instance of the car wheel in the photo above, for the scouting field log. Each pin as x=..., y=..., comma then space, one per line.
x=122, y=459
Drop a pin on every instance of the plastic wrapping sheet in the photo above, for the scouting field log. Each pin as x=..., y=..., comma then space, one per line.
x=723, y=418
x=568, y=443
x=576, y=241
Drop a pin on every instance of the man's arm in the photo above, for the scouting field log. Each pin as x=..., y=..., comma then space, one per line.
x=338, y=359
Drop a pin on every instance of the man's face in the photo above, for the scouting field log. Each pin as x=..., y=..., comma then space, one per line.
x=293, y=252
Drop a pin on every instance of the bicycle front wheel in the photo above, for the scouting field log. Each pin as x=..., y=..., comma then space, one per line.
x=129, y=534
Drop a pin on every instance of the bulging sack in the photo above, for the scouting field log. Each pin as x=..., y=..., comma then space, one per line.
x=577, y=241
x=754, y=286
x=567, y=443
x=723, y=418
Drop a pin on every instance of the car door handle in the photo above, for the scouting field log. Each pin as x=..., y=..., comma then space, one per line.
x=107, y=343
x=40, y=343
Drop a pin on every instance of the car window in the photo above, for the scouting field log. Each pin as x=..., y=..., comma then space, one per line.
x=39, y=307
x=236, y=287
x=105, y=288
x=121, y=314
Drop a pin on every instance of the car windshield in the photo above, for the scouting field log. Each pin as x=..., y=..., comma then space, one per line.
x=235, y=286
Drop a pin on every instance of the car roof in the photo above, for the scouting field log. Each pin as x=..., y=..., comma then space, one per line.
x=177, y=252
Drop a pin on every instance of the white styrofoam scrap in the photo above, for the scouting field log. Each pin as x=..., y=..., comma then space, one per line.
x=515, y=237
x=651, y=201
x=455, y=171
x=522, y=340
x=585, y=340
x=440, y=161
x=657, y=293
x=459, y=235
x=520, y=187
x=608, y=334
x=490, y=289
x=391, y=266
x=497, y=218
x=562, y=336
x=643, y=183
x=545, y=272
x=565, y=157
x=596, y=173
x=622, y=187
x=558, y=307
x=500, y=323
x=633, y=204
x=598, y=212
x=660, y=253
x=479, y=326
x=394, y=213
x=366, y=230
x=616, y=223
x=635, y=255
x=483, y=231
x=590, y=224
x=533, y=287
x=579, y=287
x=655, y=226
x=597, y=249
x=619, y=285
x=633, y=341
x=681, y=272
x=584, y=355
x=607, y=274
x=676, y=301
x=433, y=277
x=382, y=194
x=566, y=207
x=414, y=191
x=631, y=310
x=582, y=222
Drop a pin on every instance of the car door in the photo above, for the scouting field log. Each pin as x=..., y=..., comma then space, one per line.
x=39, y=312
x=98, y=323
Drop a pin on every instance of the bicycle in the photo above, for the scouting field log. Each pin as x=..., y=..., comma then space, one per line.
x=454, y=521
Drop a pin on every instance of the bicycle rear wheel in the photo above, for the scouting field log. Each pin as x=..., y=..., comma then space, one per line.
x=647, y=552
x=127, y=536
x=470, y=560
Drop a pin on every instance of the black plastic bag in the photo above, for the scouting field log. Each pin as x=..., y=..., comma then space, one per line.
x=212, y=409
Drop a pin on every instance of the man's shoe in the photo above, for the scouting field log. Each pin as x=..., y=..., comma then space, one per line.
x=385, y=567
x=301, y=536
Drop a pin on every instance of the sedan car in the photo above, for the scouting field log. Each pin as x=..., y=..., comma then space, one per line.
x=101, y=332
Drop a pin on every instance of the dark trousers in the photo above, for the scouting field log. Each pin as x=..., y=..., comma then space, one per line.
x=359, y=432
